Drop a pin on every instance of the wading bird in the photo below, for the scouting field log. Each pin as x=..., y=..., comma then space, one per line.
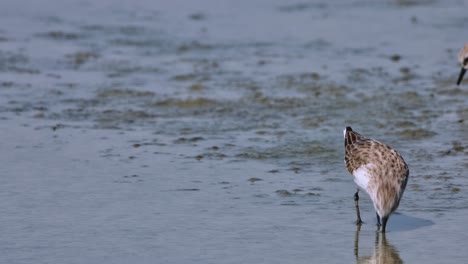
x=463, y=59
x=378, y=170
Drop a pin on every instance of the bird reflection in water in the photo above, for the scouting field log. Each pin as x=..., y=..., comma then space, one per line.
x=384, y=252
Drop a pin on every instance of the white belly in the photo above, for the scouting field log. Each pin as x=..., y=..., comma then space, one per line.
x=362, y=176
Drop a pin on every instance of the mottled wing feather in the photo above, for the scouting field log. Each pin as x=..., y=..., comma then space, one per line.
x=360, y=150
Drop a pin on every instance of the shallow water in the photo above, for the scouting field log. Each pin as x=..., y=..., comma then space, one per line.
x=211, y=131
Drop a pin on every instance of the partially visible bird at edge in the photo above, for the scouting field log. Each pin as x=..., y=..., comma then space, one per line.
x=463, y=59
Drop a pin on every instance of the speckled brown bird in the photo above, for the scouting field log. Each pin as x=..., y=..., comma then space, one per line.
x=463, y=59
x=378, y=170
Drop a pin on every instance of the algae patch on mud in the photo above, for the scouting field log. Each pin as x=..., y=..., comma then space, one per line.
x=188, y=103
x=416, y=133
x=124, y=93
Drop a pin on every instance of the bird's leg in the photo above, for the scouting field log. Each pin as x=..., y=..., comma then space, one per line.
x=378, y=221
x=356, y=242
x=384, y=223
x=356, y=203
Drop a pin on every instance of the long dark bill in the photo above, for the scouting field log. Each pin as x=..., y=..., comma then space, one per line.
x=462, y=73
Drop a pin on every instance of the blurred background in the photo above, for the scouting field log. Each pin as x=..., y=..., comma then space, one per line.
x=210, y=131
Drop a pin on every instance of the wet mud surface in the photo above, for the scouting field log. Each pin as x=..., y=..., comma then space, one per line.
x=212, y=132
